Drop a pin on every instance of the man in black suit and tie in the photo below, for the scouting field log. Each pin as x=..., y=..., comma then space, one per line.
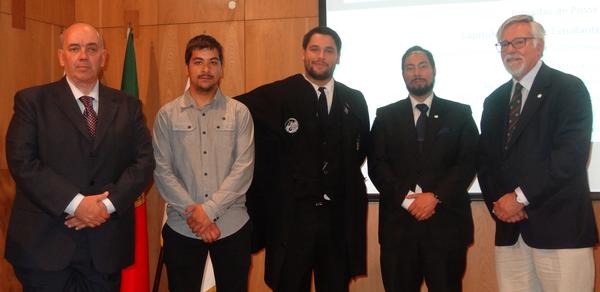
x=535, y=143
x=80, y=154
x=308, y=197
x=422, y=161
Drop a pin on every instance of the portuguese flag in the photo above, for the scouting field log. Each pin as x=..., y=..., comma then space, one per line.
x=135, y=277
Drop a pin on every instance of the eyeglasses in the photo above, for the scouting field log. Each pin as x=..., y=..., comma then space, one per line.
x=517, y=43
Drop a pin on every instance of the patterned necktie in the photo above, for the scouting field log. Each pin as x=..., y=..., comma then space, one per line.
x=515, y=112
x=89, y=114
x=421, y=124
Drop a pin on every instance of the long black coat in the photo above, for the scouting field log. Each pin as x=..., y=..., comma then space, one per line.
x=286, y=130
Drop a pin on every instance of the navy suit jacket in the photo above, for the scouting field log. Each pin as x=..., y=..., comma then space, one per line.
x=446, y=167
x=546, y=157
x=51, y=157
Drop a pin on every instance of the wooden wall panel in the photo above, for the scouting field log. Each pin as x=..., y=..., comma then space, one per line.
x=5, y=6
x=275, y=49
x=145, y=42
x=171, y=51
x=111, y=13
x=18, y=14
x=60, y=12
x=88, y=11
x=481, y=273
x=155, y=211
x=256, y=277
x=370, y=282
x=32, y=60
x=596, y=249
x=269, y=9
x=8, y=281
x=189, y=11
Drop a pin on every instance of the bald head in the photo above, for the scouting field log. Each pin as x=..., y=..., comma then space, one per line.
x=78, y=27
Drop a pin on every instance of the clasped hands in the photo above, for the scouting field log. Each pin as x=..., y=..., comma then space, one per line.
x=201, y=225
x=91, y=213
x=507, y=209
x=423, y=207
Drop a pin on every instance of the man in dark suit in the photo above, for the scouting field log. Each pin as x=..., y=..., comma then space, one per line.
x=422, y=161
x=308, y=197
x=77, y=174
x=535, y=143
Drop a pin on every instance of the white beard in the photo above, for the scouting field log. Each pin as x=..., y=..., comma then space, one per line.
x=515, y=72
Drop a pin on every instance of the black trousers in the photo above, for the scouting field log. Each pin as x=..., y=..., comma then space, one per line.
x=403, y=267
x=79, y=276
x=314, y=245
x=185, y=259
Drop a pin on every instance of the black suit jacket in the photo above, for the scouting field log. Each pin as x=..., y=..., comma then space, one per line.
x=546, y=157
x=280, y=155
x=446, y=167
x=52, y=158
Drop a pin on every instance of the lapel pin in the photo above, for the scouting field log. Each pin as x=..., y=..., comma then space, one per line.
x=539, y=95
x=435, y=116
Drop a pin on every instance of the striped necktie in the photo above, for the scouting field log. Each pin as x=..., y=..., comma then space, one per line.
x=515, y=112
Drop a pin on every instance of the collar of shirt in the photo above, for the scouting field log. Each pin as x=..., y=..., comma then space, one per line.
x=77, y=94
x=526, y=82
x=416, y=111
x=328, y=90
x=188, y=101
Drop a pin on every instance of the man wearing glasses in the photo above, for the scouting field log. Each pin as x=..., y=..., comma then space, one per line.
x=534, y=146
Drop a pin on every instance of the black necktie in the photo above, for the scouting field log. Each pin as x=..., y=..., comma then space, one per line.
x=515, y=112
x=421, y=124
x=89, y=114
x=322, y=111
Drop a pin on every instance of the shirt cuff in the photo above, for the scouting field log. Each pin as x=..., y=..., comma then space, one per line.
x=70, y=209
x=109, y=206
x=521, y=196
x=210, y=209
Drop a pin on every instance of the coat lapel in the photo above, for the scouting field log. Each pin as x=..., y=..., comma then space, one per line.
x=106, y=113
x=436, y=114
x=499, y=110
x=68, y=105
x=345, y=103
x=532, y=104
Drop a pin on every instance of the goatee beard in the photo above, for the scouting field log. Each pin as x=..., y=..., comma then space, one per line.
x=324, y=76
x=420, y=91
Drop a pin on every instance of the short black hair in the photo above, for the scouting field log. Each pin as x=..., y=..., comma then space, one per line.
x=200, y=42
x=418, y=49
x=326, y=31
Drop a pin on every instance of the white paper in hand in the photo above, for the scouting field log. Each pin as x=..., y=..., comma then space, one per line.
x=407, y=202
